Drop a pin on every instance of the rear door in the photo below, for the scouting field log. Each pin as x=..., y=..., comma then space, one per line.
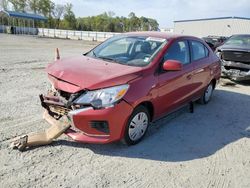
x=200, y=60
x=175, y=87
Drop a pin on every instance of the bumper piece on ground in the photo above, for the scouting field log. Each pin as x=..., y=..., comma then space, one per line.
x=44, y=137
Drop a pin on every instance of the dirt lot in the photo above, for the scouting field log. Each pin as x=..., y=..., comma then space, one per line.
x=210, y=148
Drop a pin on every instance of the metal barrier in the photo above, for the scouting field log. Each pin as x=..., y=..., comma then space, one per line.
x=76, y=35
x=58, y=33
x=18, y=30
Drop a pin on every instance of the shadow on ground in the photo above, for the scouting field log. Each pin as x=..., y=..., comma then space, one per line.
x=183, y=136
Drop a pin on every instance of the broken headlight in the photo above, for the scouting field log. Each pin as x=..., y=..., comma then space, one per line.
x=103, y=97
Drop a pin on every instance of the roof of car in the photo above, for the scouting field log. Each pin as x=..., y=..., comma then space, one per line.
x=156, y=34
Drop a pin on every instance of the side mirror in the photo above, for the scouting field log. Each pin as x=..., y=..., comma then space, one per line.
x=172, y=65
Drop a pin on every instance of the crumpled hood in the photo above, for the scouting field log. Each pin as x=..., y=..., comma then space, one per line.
x=90, y=73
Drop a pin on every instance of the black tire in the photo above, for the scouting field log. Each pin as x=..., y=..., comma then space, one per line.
x=140, y=110
x=207, y=95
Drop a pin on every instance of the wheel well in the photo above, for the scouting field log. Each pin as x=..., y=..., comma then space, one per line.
x=150, y=108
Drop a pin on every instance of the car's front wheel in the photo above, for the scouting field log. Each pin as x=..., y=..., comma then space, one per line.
x=137, y=126
x=207, y=95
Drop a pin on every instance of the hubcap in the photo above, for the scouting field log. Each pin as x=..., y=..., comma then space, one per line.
x=138, y=126
x=208, y=92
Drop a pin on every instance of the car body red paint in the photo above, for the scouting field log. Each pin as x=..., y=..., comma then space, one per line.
x=165, y=91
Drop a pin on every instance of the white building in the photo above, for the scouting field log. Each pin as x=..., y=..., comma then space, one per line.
x=224, y=26
x=168, y=30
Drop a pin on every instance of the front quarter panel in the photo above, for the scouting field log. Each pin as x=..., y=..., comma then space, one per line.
x=142, y=89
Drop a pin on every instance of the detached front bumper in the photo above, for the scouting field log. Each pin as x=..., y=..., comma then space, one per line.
x=90, y=125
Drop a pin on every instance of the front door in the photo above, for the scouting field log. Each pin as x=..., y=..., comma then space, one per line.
x=175, y=87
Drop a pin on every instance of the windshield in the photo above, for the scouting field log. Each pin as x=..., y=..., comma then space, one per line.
x=128, y=50
x=239, y=40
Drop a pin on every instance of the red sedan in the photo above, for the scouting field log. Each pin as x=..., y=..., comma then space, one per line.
x=114, y=91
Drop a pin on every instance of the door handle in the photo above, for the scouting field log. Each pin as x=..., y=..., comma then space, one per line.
x=189, y=76
x=199, y=71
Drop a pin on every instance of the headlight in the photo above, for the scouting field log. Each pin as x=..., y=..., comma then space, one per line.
x=218, y=53
x=103, y=97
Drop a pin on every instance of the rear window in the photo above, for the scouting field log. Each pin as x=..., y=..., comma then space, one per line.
x=199, y=50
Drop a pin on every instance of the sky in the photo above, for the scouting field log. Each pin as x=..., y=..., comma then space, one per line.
x=164, y=11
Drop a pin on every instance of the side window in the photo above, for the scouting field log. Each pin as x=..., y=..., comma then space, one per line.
x=199, y=51
x=178, y=51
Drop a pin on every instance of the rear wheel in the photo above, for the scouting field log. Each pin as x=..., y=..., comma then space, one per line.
x=207, y=95
x=137, y=126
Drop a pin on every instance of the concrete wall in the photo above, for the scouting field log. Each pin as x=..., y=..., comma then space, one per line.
x=77, y=35
x=218, y=27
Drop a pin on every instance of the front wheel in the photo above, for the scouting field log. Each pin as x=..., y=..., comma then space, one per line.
x=207, y=95
x=137, y=126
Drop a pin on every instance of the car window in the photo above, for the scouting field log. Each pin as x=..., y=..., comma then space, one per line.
x=117, y=47
x=199, y=50
x=129, y=50
x=178, y=51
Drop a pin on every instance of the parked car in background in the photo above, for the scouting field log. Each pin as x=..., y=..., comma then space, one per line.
x=114, y=91
x=214, y=41
x=235, y=57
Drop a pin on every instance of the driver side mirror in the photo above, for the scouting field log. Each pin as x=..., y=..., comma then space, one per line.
x=172, y=65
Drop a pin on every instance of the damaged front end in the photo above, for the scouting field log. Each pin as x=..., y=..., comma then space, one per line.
x=57, y=105
x=235, y=64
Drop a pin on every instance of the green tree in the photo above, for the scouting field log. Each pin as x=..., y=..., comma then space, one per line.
x=34, y=6
x=19, y=5
x=58, y=13
x=134, y=22
x=144, y=23
x=46, y=7
x=69, y=17
x=4, y=4
x=131, y=15
x=153, y=24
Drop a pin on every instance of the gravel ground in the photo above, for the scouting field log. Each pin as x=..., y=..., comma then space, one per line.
x=209, y=148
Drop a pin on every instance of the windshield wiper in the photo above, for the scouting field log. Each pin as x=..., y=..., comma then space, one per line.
x=108, y=58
